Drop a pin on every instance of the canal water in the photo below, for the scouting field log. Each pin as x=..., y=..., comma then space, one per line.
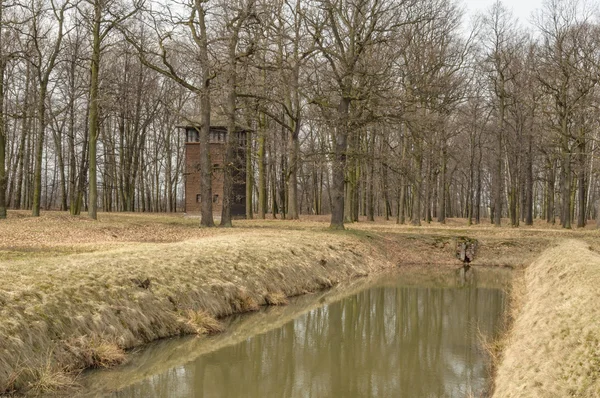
x=395, y=336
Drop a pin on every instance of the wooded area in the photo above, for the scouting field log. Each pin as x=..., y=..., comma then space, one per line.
x=392, y=108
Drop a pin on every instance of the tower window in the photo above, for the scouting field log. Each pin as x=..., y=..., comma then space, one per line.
x=193, y=135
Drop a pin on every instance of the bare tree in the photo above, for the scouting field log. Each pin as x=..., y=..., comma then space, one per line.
x=344, y=33
x=103, y=17
x=44, y=60
x=162, y=59
x=502, y=39
x=564, y=72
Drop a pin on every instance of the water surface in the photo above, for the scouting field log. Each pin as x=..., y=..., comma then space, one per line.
x=388, y=340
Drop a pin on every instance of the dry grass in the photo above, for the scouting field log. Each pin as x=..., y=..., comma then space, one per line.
x=553, y=349
x=56, y=301
x=496, y=346
x=95, y=352
x=244, y=302
x=276, y=298
x=49, y=378
x=106, y=355
x=203, y=323
x=129, y=277
x=57, y=234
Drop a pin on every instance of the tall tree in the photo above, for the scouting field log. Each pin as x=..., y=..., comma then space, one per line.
x=105, y=15
x=44, y=61
x=501, y=41
x=564, y=72
x=3, y=62
x=163, y=58
x=345, y=32
x=237, y=13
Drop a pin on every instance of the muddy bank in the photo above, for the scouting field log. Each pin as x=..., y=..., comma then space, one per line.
x=59, y=315
x=553, y=349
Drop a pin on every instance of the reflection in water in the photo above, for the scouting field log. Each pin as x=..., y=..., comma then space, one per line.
x=382, y=342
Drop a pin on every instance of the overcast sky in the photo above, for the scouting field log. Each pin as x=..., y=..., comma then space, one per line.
x=520, y=8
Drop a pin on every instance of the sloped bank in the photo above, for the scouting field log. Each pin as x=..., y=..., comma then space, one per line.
x=60, y=315
x=553, y=349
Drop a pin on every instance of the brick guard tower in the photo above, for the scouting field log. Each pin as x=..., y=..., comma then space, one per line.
x=217, y=140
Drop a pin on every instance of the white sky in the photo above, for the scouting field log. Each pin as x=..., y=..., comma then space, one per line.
x=521, y=9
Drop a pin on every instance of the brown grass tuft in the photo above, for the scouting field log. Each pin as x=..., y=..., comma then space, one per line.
x=96, y=352
x=106, y=355
x=276, y=298
x=246, y=303
x=203, y=323
x=49, y=378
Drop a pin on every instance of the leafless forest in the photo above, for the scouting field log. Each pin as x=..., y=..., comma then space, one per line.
x=395, y=108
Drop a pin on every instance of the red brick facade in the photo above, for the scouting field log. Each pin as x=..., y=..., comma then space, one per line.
x=192, y=175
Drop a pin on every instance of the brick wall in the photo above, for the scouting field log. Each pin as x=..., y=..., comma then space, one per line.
x=192, y=177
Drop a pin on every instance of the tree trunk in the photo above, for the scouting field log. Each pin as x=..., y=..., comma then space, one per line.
x=43, y=78
x=550, y=183
x=339, y=165
x=58, y=134
x=566, y=172
x=39, y=151
x=273, y=178
x=442, y=195
x=416, y=189
x=581, y=185
x=71, y=140
x=428, y=189
x=401, y=217
x=231, y=144
x=566, y=191
x=498, y=175
x=370, y=189
x=529, y=182
x=17, y=179
x=478, y=194
x=293, y=150
x=3, y=176
x=282, y=191
x=249, y=177
x=351, y=180
x=93, y=112
x=262, y=168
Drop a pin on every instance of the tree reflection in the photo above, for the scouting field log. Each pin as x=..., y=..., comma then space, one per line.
x=382, y=342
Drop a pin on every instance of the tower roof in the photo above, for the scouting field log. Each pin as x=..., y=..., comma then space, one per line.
x=216, y=122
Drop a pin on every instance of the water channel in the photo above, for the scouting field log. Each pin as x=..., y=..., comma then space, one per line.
x=394, y=336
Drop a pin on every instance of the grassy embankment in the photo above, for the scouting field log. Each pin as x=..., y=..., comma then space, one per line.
x=553, y=347
x=75, y=293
